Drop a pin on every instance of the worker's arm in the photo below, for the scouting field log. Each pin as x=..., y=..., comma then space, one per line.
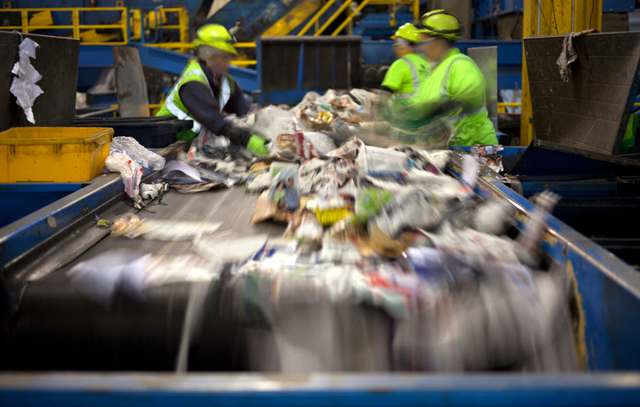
x=395, y=76
x=237, y=103
x=204, y=108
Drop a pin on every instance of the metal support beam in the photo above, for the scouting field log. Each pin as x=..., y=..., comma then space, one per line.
x=72, y=389
x=549, y=17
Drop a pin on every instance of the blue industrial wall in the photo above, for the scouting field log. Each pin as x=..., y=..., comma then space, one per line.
x=192, y=5
x=493, y=8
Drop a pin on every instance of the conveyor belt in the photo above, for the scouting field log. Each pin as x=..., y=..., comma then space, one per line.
x=130, y=335
x=232, y=207
x=135, y=334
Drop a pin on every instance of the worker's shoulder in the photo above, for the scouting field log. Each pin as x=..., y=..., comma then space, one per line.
x=399, y=64
x=463, y=64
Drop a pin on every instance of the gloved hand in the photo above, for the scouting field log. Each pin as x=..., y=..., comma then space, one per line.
x=257, y=146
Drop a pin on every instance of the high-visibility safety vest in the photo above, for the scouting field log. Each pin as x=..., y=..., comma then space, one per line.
x=193, y=72
x=457, y=79
x=406, y=74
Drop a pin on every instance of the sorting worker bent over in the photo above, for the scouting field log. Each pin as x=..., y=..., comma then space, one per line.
x=206, y=92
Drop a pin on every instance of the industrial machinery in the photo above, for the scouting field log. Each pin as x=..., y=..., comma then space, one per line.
x=128, y=337
x=61, y=348
x=162, y=30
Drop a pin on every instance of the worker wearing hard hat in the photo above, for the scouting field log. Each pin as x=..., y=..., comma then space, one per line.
x=206, y=92
x=455, y=91
x=404, y=77
x=410, y=69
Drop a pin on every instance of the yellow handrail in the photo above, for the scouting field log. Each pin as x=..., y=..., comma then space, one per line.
x=332, y=18
x=171, y=45
x=414, y=5
x=159, y=22
x=76, y=27
x=316, y=17
x=54, y=9
x=350, y=18
x=244, y=62
x=188, y=45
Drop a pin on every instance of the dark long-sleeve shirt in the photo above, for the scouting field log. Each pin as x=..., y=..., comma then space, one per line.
x=205, y=107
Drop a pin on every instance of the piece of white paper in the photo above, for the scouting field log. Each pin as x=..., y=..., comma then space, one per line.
x=470, y=170
x=24, y=86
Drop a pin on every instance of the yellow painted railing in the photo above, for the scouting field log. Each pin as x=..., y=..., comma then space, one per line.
x=187, y=45
x=502, y=106
x=84, y=32
x=176, y=45
x=316, y=17
x=313, y=21
x=117, y=33
x=298, y=14
x=31, y=19
x=157, y=19
x=349, y=19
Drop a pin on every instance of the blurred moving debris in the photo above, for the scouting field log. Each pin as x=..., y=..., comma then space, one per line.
x=390, y=259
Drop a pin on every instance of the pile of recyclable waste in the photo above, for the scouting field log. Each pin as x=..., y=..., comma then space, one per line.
x=392, y=258
x=388, y=229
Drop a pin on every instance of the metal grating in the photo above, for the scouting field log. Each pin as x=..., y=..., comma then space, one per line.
x=290, y=63
x=588, y=113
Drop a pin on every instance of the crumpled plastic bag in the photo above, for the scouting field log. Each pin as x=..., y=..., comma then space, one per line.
x=247, y=121
x=493, y=217
x=439, y=188
x=367, y=100
x=474, y=248
x=376, y=159
x=322, y=143
x=260, y=182
x=130, y=171
x=409, y=209
x=139, y=153
x=23, y=86
x=272, y=121
x=130, y=158
x=310, y=230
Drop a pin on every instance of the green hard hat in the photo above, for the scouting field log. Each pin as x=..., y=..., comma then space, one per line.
x=407, y=32
x=442, y=24
x=215, y=36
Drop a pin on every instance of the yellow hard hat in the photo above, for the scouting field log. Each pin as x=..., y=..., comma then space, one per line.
x=215, y=36
x=440, y=23
x=407, y=32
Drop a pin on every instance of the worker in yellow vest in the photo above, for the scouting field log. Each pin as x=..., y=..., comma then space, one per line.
x=410, y=69
x=206, y=92
x=404, y=77
x=454, y=94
